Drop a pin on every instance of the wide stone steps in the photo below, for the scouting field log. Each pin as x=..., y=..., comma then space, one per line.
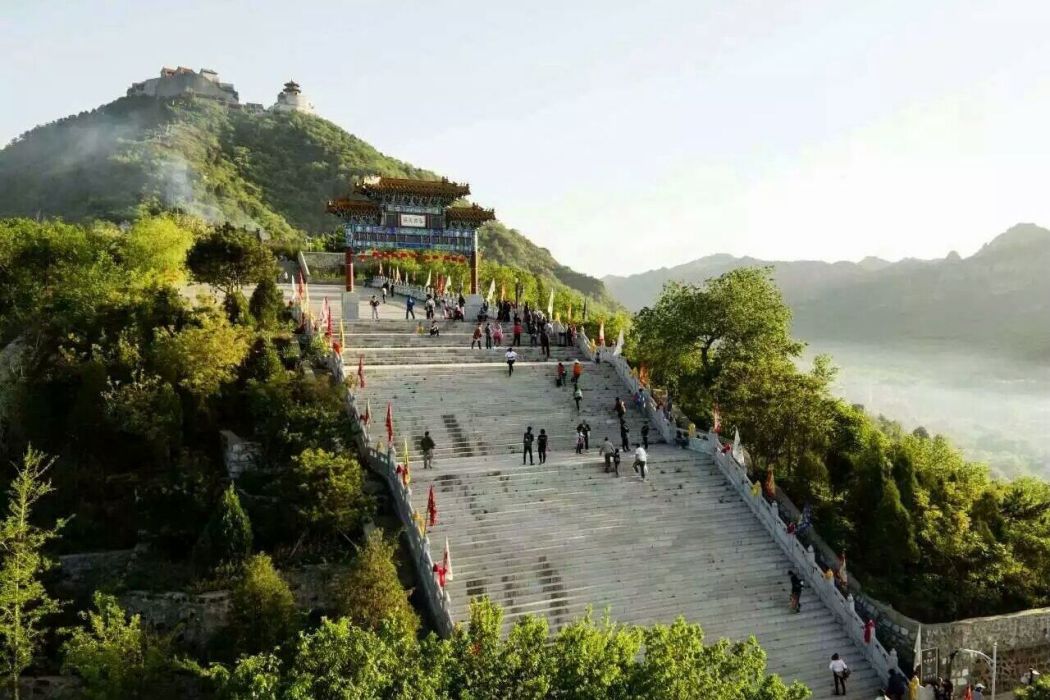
x=560, y=538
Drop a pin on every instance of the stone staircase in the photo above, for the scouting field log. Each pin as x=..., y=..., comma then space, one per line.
x=560, y=538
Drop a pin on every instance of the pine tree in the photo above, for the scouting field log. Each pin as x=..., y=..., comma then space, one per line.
x=262, y=610
x=371, y=591
x=227, y=538
x=24, y=602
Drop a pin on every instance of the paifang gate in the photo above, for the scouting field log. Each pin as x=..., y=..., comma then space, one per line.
x=389, y=213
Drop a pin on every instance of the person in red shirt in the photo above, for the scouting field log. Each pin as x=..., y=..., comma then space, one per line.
x=577, y=370
x=517, y=333
x=476, y=338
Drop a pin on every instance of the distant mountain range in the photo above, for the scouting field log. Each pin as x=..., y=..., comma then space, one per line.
x=996, y=299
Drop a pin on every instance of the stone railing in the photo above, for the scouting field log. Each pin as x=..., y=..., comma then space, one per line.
x=656, y=418
x=803, y=559
x=384, y=463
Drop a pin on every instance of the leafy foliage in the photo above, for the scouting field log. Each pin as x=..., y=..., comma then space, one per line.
x=585, y=661
x=114, y=655
x=262, y=609
x=227, y=538
x=24, y=603
x=936, y=536
x=370, y=592
x=329, y=492
x=229, y=258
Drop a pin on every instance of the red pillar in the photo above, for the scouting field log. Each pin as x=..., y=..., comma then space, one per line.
x=349, y=269
x=475, y=260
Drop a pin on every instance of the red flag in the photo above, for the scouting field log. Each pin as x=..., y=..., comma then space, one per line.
x=441, y=573
x=869, y=631
x=432, y=509
x=390, y=423
x=367, y=418
x=361, y=370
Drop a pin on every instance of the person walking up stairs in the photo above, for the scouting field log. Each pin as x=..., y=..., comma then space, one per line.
x=541, y=446
x=526, y=444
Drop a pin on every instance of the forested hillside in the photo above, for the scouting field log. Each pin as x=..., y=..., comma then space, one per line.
x=272, y=171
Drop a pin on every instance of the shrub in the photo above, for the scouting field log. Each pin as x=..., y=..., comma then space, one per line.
x=330, y=498
x=227, y=538
x=262, y=612
x=370, y=592
x=267, y=303
x=113, y=655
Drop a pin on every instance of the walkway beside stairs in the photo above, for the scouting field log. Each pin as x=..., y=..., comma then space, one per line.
x=560, y=538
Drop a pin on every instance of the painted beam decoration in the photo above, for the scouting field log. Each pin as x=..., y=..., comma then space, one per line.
x=384, y=213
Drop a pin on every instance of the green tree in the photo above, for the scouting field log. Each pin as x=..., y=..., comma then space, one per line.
x=229, y=258
x=227, y=538
x=267, y=303
x=156, y=247
x=114, y=655
x=203, y=357
x=1040, y=690
x=330, y=494
x=262, y=608
x=24, y=603
x=370, y=592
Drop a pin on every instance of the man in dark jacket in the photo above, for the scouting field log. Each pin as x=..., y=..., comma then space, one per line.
x=541, y=446
x=526, y=445
x=427, y=445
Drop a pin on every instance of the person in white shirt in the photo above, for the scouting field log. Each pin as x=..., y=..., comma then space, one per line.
x=640, y=461
x=840, y=671
x=511, y=357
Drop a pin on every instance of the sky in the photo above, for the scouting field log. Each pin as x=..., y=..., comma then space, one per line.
x=625, y=136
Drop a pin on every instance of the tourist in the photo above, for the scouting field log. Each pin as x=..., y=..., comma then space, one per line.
x=577, y=396
x=419, y=328
x=511, y=357
x=607, y=453
x=577, y=370
x=579, y=442
x=616, y=461
x=641, y=460
x=839, y=672
x=526, y=444
x=796, y=592
x=374, y=302
x=435, y=331
x=488, y=336
x=517, y=332
x=645, y=435
x=559, y=378
x=541, y=446
x=620, y=408
x=897, y=685
x=639, y=399
x=410, y=307
x=1030, y=677
x=545, y=343
x=427, y=445
x=429, y=306
x=586, y=428
x=497, y=334
x=383, y=290
x=624, y=434
x=475, y=339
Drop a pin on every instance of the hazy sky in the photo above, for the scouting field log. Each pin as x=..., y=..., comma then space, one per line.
x=625, y=135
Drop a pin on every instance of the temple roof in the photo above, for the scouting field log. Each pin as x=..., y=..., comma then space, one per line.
x=399, y=185
x=472, y=214
x=352, y=205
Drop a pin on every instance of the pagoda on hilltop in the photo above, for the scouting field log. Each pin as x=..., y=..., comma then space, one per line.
x=391, y=213
x=291, y=99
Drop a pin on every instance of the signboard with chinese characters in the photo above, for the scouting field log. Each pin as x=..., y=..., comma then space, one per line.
x=930, y=662
x=370, y=236
x=413, y=220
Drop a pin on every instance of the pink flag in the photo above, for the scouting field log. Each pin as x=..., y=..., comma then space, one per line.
x=446, y=561
x=361, y=370
x=601, y=334
x=390, y=425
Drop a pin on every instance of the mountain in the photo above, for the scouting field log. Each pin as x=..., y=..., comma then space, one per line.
x=996, y=299
x=268, y=170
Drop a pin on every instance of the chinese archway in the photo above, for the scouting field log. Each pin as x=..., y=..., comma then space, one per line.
x=388, y=213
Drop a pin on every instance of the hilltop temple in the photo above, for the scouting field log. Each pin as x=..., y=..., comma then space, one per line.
x=186, y=82
x=175, y=82
x=291, y=99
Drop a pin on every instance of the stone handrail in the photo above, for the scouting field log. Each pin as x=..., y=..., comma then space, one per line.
x=656, y=418
x=303, y=267
x=803, y=559
x=385, y=464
